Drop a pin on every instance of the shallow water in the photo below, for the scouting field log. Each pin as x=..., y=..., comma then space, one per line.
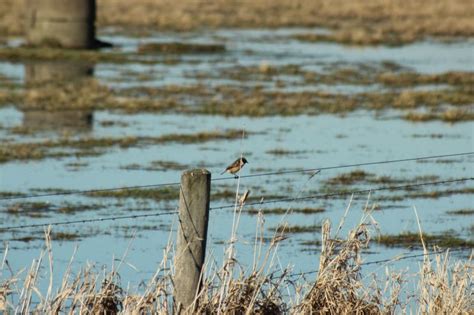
x=316, y=141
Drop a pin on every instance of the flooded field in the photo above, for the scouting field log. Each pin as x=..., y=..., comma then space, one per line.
x=150, y=107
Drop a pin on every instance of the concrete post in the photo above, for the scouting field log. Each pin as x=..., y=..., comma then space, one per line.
x=62, y=23
x=192, y=236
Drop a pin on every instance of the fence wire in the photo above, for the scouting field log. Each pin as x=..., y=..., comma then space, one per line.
x=171, y=211
x=388, y=260
x=283, y=172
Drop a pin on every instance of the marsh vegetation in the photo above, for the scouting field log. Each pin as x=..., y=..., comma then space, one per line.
x=293, y=87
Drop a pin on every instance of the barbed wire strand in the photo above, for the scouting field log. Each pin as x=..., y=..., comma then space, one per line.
x=388, y=260
x=351, y=165
x=345, y=193
x=169, y=212
x=99, y=190
x=88, y=191
x=81, y=221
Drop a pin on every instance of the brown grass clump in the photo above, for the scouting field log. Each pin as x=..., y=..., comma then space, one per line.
x=443, y=286
x=339, y=287
x=457, y=114
x=245, y=294
x=412, y=240
x=451, y=115
x=50, y=53
x=89, y=146
x=420, y=97
x=417, y=116
x=349, y=178
x=77, y=95
x=413, y=78
x=180, y=48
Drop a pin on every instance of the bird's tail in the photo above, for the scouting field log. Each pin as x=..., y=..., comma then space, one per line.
x=223, y=172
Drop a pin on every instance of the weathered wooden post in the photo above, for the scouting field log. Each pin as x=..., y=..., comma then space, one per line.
x=63, y=23
x=192, y=236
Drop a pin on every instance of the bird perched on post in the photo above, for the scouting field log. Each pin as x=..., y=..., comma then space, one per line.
x=236, y=166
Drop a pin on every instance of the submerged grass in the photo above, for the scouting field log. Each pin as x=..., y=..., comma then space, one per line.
x=11, y=194
x=412, y=240
x=362, y=37
x=450, y=102
x=285, y=152
x=441, y=193
x=448, y=115
x=157, y=166
x=165, y=193
x=172, y=193
x=64, y=236
x=257, y=102
x=25, y=53
x=96, y=146
x=296, y=229
x=15, y=54
x=385, y=74
x=355, y=22
x=40, y=209
x=180, y=48
x=344, y=181
x=461, y=212
x=362, y=177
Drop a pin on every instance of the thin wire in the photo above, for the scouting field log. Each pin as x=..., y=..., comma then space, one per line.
x=74, y=192
x=89, y=191
x=349, y=165
x=322, y=196
x=132, y=216
x=393, y=259
x=388, y=260
x=232, y=205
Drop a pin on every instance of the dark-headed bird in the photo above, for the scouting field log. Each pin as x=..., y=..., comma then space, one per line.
x=236, y=166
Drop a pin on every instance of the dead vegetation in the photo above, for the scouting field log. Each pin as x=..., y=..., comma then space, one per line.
x=296, y=229
x=412, y=240
x=338, y=289
x=157, y=166
x=71, y=146
x=339, y=286
x=180, y=48
x=159, y=194
x=49, y=53
x=355, y=22
x=461, y=212
x=417, y=97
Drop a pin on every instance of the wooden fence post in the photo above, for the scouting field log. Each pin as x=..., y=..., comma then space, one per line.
x=192, y=235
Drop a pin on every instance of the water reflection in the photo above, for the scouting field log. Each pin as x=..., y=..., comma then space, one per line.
x=43, y=82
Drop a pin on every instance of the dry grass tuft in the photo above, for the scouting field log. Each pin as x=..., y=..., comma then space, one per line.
x=339, y=287
x=443, y=287
x=245, y=294
x=338, y=284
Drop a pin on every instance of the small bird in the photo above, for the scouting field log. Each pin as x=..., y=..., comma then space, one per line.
x=236, y=166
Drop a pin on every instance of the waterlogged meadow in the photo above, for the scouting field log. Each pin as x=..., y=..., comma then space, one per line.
x=288, y=99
